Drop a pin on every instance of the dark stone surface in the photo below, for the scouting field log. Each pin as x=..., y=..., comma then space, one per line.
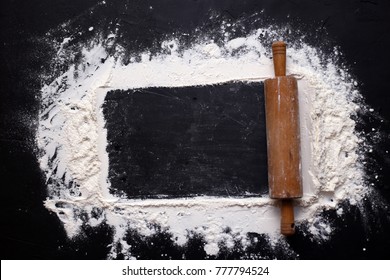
x=188, y=141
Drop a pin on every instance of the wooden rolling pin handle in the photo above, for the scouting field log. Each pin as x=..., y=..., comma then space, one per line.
x=279, y=57
x=287, y=225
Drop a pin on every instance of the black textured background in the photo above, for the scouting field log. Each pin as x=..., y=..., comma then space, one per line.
x=188, y=141
x=29, y=231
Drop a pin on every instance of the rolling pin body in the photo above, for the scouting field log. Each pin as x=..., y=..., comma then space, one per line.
x=283, y=140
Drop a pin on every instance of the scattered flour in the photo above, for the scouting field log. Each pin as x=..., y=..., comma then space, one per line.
x=72, y=140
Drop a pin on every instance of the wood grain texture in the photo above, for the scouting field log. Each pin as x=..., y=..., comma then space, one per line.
x=283, y=141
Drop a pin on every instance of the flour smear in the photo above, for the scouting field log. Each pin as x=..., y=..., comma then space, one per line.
x=72, y=139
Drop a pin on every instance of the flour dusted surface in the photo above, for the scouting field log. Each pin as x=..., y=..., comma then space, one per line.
x=72, y=139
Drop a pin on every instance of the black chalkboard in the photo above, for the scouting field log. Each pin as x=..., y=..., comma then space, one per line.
x=187, y=141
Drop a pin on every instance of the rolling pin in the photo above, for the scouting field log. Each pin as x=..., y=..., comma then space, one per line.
x=283, y=140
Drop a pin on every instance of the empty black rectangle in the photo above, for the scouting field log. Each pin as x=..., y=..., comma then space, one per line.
x=187, y=141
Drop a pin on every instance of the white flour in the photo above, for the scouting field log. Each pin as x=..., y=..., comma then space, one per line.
x=73, y=141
